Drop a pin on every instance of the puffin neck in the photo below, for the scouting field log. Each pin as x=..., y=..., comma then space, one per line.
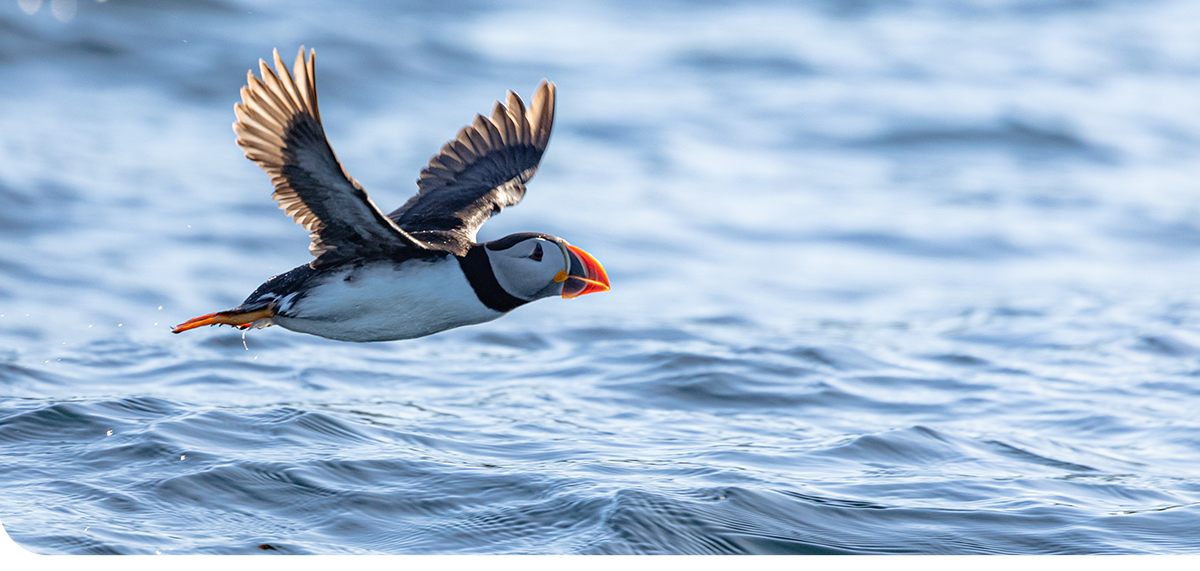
x=478, y=269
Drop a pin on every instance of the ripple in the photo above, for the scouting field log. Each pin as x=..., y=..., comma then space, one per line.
x=883, y=285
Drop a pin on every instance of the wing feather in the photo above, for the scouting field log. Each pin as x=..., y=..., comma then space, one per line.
x=516, y=112
x=279, y=127
x=503, y=125
x=541, y=118
x=480, y=172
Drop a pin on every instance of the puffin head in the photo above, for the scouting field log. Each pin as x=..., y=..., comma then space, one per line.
x=531, y=266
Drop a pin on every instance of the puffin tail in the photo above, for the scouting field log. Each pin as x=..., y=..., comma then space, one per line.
x=235, y=317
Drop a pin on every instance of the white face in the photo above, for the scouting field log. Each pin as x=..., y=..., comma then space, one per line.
x=526, y=270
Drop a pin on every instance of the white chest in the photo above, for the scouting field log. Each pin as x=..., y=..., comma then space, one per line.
x=384, y=301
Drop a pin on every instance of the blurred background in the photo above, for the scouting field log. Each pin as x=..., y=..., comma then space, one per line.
x=888, y=277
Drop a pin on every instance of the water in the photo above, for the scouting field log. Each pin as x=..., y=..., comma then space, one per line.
x=888, y=277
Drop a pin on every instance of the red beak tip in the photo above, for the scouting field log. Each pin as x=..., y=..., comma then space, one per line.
x=596, y=280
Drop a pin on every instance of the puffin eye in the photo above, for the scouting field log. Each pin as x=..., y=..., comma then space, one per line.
x=537, y=253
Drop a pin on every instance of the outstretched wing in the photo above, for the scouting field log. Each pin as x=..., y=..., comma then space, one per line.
x=480, y=172
x=279, y=127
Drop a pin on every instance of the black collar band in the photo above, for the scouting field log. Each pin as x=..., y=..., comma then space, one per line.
x=478, y=269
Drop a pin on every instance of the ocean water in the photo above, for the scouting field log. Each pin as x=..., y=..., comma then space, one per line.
x=888, y=277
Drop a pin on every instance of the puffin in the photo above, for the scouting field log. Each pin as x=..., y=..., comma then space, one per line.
x=418, y=270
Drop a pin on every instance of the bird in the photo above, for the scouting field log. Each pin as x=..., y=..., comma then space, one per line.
x=418, y=270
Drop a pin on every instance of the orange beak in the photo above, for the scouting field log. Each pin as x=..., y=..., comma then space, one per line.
x=586, y=276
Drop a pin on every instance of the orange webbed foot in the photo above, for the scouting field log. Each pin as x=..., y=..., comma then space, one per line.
x=241, y=320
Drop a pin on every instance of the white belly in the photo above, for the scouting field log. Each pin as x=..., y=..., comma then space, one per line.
x=384, y=301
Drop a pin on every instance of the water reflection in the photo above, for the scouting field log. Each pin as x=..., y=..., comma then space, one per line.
x=62, y=10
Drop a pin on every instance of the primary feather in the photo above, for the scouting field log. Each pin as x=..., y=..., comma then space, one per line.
x=479, y=172
x=279, y=127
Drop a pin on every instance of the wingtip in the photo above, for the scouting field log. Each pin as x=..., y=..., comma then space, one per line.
x=280, y=69
x=547, y=86
x=541, y=113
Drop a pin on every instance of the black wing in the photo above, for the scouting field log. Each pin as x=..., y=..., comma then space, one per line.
x=480, y=172
x=279, y=127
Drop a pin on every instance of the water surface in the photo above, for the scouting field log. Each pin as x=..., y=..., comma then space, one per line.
x=912, y=277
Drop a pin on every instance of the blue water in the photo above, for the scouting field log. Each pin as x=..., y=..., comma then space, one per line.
x=888, y=277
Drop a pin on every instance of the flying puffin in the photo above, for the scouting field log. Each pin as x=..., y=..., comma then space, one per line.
x=418, y=270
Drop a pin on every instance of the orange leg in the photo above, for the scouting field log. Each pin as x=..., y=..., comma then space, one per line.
x=239, y=320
